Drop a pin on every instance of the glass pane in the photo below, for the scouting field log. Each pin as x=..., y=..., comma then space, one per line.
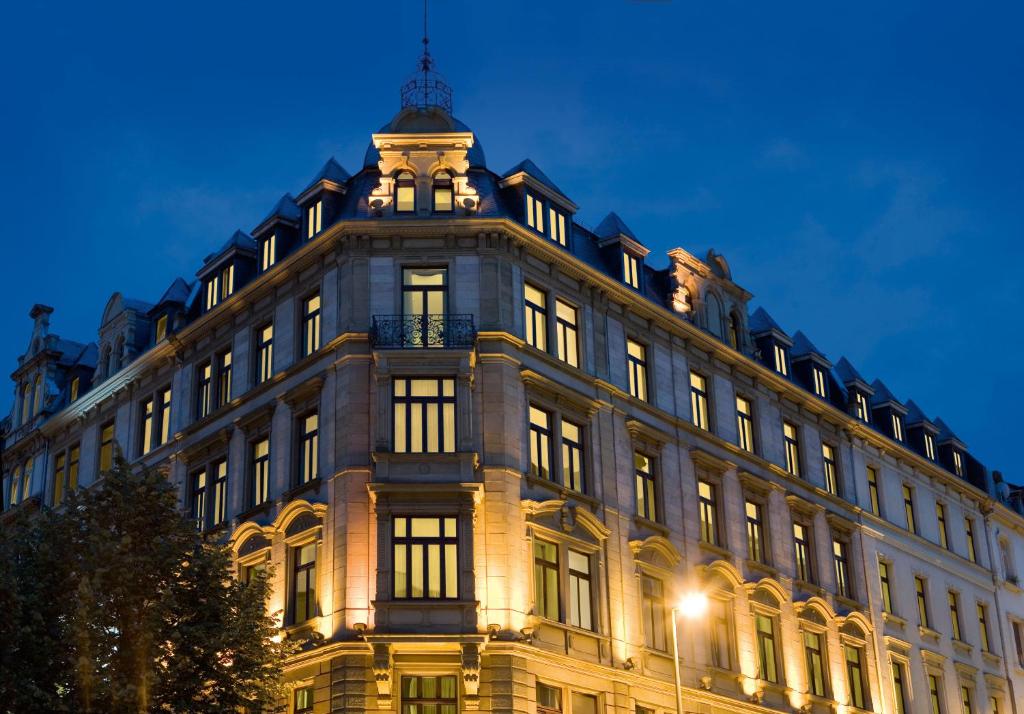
x=401, y=576
x=426, y=527
x=451, y=571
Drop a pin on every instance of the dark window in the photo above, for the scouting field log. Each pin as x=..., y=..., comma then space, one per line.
x=983, y=628
x=536, y=307
x=767, y=653
x=636, y=364
x=874, y=502
x=444, y=195
x=813, y=652
x=424, y=415
x=828, y=456
x=972, y=554
x=260, y=471
x=310, y=325
x=883, y=578
x=426, y=557
x=646, y=490
x=204, y=381
x=908, y=508
x=856, y=676
x=655, y=615
x=546, y=588
x=954, y=615
x=540, y=443
x=734, y=331
x=940, y=516
x=744, y=424
x=935, y=694
x=922, y=602
x=430, y=695
x=899, y=685
x=264, y=353
x=721, y=633
x=303, y=594
x=965, y=696
x=309, y=442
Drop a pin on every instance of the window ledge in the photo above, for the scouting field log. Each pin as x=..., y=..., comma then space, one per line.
x=571, y=629
x=809, y=587
x=255, y=511
x=849, y=603
x=642, y=522
x=992, y=659
x=962, y=647
x=894, y=620
x=764, y=568
x=928, y=633
x=563, y=492
x=716, y=550
x=457, y=466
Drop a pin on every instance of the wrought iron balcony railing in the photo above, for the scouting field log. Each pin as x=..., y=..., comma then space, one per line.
x=403, y=332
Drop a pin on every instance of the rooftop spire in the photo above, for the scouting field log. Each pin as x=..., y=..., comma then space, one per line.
x=426, y=88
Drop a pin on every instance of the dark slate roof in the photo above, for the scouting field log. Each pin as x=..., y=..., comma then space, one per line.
x=916, y=415
x=177, y=293
x=419, y=121
x=285, y=208
x=945, y=433
x=612, y=226
x=802, y=346
x=847, y=372
x=882, y=394
x=331, y=171
x=240, y=239
x=761, y=322
x=527, y=166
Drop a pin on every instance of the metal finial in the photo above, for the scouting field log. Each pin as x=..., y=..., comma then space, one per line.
x=426, y=88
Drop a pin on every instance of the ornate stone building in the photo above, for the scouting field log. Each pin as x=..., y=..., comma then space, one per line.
x=487, y=449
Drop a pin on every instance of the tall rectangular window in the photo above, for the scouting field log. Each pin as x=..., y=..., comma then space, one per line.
x=921, y=593
x=268, y=252
x=534, y=213
x=802, y=551
x=1018, y=640
x=744, y=424
x=886, y=583
x=972, y=554
x=720, y=631
x=874, y=502
x=755, y=531
x=652, y=605
x=781, y=360
x=424, y=415
x=430, y=695
x=558, y=224
x=303, y=582
x=426, y=558
x=790, y=439
x=224, y=378
x=965, y=698
x=863, y=410
x=314, y=219
x=71, y=483
x=908, y=508
x=106, y=446
x=935, y=694
x=204, y=382
x=897, y=427
x=841, y=560
x=59, y=466
x=540, y=443
x=220, y=492
x=940, y=517
x=646, y=491
x=954, y=614
x=899, y=687
x=405, y=192
x=636, y=363
x=699, y=401
x=630, y=270
x=707, y=502
x=75, y=385
x=310, y=325
x=260, y=471
x=572, y=456
x=198, y=493
x=580, y=614
x=212, y=292
x=549, y=699
x=546, y=591
x=146, y=427
x=264, y=353
x=767, y=654
x=163, y=417
x=424, y=300
x=227, y=282
x=983, y=628
x=303, y=700
x=856, y=676
x=535, y=304
x=828, y=457
x=309, y=448
x=820, y=382
x=958, y=463
x=567, y=328
x=815, y=657
x=929, y=446
x=161, y=329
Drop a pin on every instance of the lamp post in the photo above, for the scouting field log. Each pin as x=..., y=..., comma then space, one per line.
x=691, y=606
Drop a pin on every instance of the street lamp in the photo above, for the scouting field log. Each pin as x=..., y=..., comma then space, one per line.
x=691, y=605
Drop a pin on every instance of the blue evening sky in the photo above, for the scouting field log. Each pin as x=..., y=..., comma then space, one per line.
x=859, y=164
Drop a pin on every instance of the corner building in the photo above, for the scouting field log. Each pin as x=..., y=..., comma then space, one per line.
x=486, y=450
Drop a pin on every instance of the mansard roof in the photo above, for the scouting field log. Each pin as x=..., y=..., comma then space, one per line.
x=761, y=323
x=850, y=376
x=803, y=347
x=883, y=396
x=177, y=293
x=528, y=167
x=332, y=172
x=612, y=226
x=118, y=303
x=916, y=415
x=286, y=210
x=239, y=240
x=428, y=120
x=945, y=433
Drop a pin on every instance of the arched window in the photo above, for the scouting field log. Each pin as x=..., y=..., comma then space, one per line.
x=713, y=314
x=26, y=403
x=38, y=402
x=405, y=192
x=734, y=330
x=443, y=194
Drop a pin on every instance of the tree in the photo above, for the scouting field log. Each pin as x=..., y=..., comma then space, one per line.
x=149, y=619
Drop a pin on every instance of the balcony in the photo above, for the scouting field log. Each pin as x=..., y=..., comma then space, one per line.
x=405, y=332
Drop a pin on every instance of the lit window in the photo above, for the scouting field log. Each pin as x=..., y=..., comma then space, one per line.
x=146, y=427
x=983, y=628
x=802, y=551
x=220, y=492
x=549, y=699
x=314, y=218
x=303, y=582
x=161, y=328
x=426, y=558
x=534, y=213
x=897, y=427
x=965, y=696
x=767, y=650
x=309, y=435
x=405, y=192
x=874, y=502
x=199, y=499
x=781, y=360
x=424, y=415
x=820, y=383
x=264, y=353
x=75, y=385
x=755, y=531
x=224, y=378
x=940, y=516
x=744, y=424
x=580, y=603
x=546, y=580
x=106, y=446
x=430, y=695
x=424, y=300
x=935, y=694
x=443, y=193
x=921, y=593
x=260, y=471
x=556, y=225
x=268, y=252
x=566, y=323
x=652, y=606
x=536, y=309
x=540, y=443
x=828, y=456
x=204, y=382
x=815, y=657
x=908, y=508
x=707, y=500
x=310, y=325
x=954, y=614
x=645, y=487
x=886, y=585
x=636, y=363
x=1018, y=640
x=856, y=676
x=630, y=270
x=958, y=463
x=733, y=328
x=699, y=401
x=790, y=438
x=841, y=560
x=572, y=456
x=15, y=488
x=162, y=428
x=899, y=687
x=863, y=410
x=721, y=633
x=227, y=282
x=303, y=700
x=584, y=703
x=65, y=474
x=929, y=446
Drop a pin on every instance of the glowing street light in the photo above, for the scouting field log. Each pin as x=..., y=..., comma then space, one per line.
x=691, y=605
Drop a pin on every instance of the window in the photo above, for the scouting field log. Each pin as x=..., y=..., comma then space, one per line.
x=540, y=443
x=59, y=464
x=820, y=382
x=781, y=360
x=572, y=456
x=707, y=500
x=424, y=297
x=580, y=601
x=699, y=401
x=954, y=614
x=260, y=471
x=897, y=427
x=789, y=437
x=314, y=218
x=304, y=700
x=841, y=560
x=444, y=195
x=424, y=415
x=965, y=696
x=566, y=326
x=220, y=492
x=636, y=362
x=220, y=286
x=536, y=307
x=652, y=604
x=268, y=252
x=935, y=694
x=899, y=687
x=224, y=378
x=162, y=428
x=264, y=353
x=1018, y=640
x=15, y=491
x=733, y=329
x=430, y=695
x=883, y=577
x=426, y=558
x=828, y=457
x=75, y=385
x=940, y=516
x=908, y=508
x=106, y=446
x=146, y=427
x=161, y=328
x=534, y=213
x=874, y=502
x=767, y=654
x=721, y=633
x=630, y=270
x=856, y=676
x=983, y=628
x=303, y=581
x=547, y=597
x=65, y=474
x=744, y=424
x=972, y=553
x=814, y=655
x=755, y=531
x=204, y=386
x=310, y=325
x=549, y=699
x=958, y=463
x=309, y=444
x=405, y=192
x=199, y=499
x=584, y=703
x=646, y=493
x=929, y=446
x=802, y=549
x=556, y=224
x=862, y=408
x=920, y=590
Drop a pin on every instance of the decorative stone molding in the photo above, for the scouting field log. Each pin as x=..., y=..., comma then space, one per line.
x=470, y=664
x=383, y=673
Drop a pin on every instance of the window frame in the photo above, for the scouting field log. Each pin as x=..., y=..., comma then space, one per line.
x=263, y=353
x=307, y=461
x=830, y=469
x=791, y=445
x=646, y=487
x=405, y=180
x=874, y=490
x=700, y=402
x=637, y=368
x=438, y=403
x=745, y=424
x=632, y=269
x=310, y=339
x=563, y=329
x=535, y=317
x=756, y=530
x=803, y=552
x=437, y=186
x=267, y=252
x=443, y=540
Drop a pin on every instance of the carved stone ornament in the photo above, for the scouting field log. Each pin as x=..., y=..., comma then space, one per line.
x=471, y=675
x=383, y=673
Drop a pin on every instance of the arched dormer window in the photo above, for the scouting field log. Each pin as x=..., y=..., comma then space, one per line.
x=443, y=194
x=26, y=404
x=405, y=192
x=733, y=326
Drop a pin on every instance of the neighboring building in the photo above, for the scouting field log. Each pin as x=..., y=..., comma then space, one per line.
x=486, y=449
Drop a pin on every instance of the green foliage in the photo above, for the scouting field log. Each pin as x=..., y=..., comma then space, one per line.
x=118, y=605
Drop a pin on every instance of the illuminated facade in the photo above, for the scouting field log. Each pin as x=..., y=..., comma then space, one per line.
x=486, y=450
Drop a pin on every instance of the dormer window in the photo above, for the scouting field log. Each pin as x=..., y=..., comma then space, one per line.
x=556, y=223
x=161, y=328
x=74, y=388
x=861, y=403
x=781, y=359
x=820, y=383
x=220, y=286
x=897, y=427
x=630, y=270
x=733, y=330
x=314, y=218
x=534, y=213
x=929, y=446
x=443, y=193
x=405, y=192
x=958, y=463
x=268, y=252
